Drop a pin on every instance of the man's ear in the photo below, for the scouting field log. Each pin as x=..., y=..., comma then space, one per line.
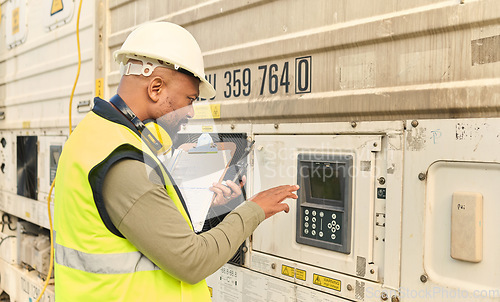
x=155, y=87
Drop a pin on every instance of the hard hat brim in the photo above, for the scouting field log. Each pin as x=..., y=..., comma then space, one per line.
x=207, y=91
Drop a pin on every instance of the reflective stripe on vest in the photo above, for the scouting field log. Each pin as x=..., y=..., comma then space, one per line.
x=119, y=263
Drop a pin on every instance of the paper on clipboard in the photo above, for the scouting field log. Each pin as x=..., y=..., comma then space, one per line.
x=194, y=174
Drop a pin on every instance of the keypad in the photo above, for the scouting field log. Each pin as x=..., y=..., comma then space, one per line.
x=324, y=225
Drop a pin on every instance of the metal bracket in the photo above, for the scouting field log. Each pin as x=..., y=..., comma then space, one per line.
x=83, y=106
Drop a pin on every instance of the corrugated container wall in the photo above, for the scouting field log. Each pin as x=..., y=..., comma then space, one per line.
x=409, y=90
x=336, y=60
x=38, y=62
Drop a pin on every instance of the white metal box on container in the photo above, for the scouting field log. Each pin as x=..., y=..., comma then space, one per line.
x=370, y=185
x=446, y=158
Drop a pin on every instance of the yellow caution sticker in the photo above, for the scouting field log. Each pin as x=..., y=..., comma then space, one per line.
x=26, y=124
x=205, y=129
x=327, y=282
x=99, y=88
x=15, y=20
x=57, y=6
x=300, y=274
x=206, y=111
x=211, y=291
x=287, y=271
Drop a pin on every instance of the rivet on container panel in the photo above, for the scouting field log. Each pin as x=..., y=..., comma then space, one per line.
x=421, y=176
x=276, y=126
x=384, y=296
x=233, y=126
x=423, y=278
x=349, y=287
x=414, y=123
x=395, y=298
x=354, y=124
x=273, y=265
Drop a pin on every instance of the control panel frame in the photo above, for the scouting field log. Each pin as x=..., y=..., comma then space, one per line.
x=333, y=235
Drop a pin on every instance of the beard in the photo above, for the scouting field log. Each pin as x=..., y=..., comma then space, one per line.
x=172, y=124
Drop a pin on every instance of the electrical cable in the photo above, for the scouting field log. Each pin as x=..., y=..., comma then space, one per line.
x=79, y=64
x=51, y=264
x=7, y=222
x=3, y=239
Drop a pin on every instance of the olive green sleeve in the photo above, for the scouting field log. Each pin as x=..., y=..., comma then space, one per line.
x=144, y=213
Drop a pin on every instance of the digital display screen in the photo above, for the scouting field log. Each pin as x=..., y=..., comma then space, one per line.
x=325, y=182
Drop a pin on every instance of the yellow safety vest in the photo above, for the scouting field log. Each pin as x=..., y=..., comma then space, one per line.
x=93, y=262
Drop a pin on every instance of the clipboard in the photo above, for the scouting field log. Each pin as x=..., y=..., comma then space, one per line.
x=195, y=168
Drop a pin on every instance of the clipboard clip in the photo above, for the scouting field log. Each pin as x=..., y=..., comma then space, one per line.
x=205, y=144
x=242, y=163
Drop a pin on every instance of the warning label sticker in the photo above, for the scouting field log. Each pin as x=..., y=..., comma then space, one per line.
x=287, y=271
x=15, y=20
x=99, y=88
x=327, y=282
x=300, y=274
x=206, y=129
x=206, y=111
x=57, y=6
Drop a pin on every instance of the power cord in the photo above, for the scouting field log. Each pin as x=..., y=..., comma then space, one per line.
x=3, y=239
x=6, y=221
x=79, y=64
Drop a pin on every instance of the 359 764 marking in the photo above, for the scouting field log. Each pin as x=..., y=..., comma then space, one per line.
x=271, y=79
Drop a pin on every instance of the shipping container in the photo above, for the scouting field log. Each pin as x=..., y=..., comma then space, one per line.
x=399, y=99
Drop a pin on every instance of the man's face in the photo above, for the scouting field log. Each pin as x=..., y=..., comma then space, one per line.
x=175, y=104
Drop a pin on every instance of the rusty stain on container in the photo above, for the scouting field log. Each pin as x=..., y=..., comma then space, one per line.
x=469, y=131
x=486, y=50
x=416, y=139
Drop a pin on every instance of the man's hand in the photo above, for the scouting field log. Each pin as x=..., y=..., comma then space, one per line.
x=226, y=192
x=271, y=200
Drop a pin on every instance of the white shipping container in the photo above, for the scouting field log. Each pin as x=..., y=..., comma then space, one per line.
x=405, y=94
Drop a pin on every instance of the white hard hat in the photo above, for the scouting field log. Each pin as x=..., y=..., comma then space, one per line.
x=164, y=44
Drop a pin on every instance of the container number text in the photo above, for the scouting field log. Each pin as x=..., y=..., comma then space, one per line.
x=271, y=79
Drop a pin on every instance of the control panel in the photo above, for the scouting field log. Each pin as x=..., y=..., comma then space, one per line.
x=322, y=224
x=325, y=201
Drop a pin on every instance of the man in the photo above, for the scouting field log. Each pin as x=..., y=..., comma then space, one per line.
x=120, y=236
